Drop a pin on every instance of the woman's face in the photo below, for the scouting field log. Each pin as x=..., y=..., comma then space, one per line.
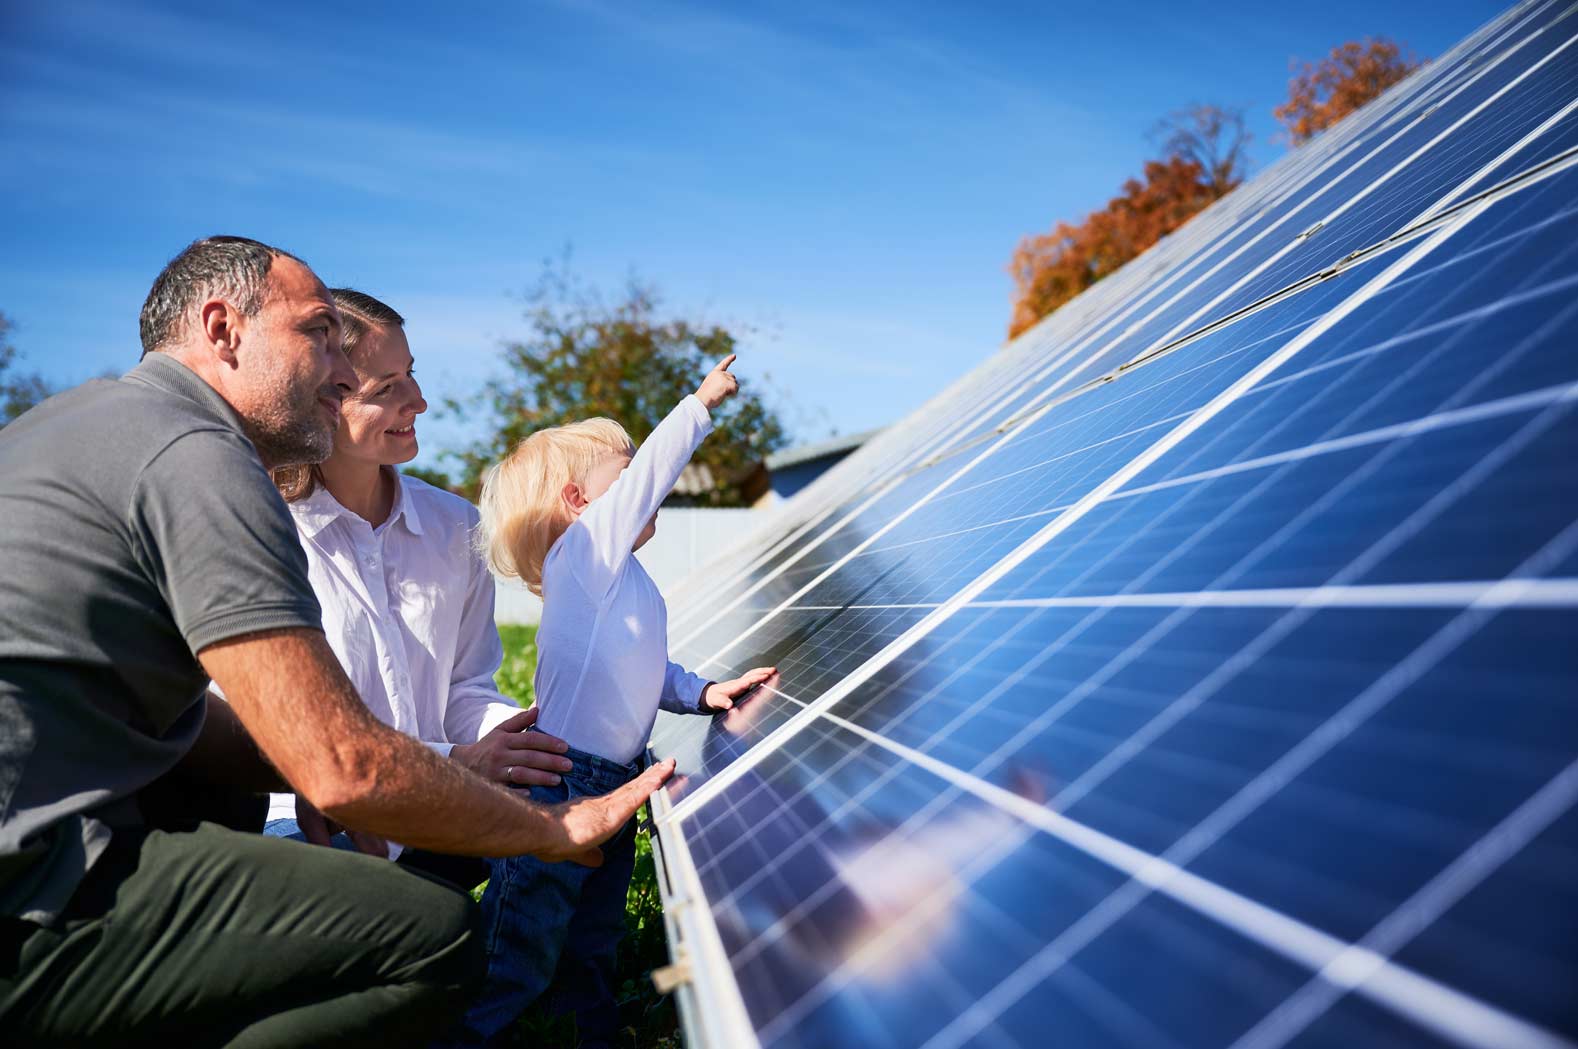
x=378, y=419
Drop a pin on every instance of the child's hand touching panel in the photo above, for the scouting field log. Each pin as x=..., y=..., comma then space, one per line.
x=720, y=695
x=719, y=385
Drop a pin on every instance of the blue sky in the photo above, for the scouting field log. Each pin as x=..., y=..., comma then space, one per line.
x=846, y=180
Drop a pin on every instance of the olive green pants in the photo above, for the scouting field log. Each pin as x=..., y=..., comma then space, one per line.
x=211, y=937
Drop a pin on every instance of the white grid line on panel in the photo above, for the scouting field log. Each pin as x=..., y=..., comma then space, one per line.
x=1056, y=527
x=1435, y=1006
x=1540, y=593
x=1421, y=910
x=1436, y=421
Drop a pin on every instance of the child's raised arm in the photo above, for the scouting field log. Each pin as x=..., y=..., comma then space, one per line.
x=611, y=523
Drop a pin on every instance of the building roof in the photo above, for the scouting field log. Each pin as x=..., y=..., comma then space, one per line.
x=806, y=453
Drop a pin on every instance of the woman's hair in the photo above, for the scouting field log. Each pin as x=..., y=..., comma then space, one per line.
x=360, y=313
x=523, y=512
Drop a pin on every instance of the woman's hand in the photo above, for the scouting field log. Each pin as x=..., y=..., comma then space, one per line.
x=720, y=695
x=319, y=829
x=510, y=754
x=719, y=385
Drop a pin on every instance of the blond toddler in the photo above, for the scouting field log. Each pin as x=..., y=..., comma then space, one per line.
x=565, y=512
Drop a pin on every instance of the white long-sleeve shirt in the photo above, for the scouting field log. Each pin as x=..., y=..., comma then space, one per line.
x=408, y=609
x=602, y=647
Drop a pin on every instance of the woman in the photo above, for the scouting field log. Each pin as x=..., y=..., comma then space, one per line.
x=407, y=601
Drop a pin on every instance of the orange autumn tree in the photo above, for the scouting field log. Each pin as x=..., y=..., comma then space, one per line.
x=1324, y=92
x=1204, y=161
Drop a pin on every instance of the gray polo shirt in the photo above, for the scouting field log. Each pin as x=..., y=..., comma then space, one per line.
x=137, y=527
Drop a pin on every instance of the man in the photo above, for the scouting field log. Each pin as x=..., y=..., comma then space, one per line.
x=147, y=553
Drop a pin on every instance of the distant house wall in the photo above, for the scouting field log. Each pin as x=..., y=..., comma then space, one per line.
x=686, y=538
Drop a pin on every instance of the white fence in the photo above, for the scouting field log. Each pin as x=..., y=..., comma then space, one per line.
x=686, y=539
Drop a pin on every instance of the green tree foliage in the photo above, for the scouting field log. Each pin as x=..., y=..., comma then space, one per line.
x=18, y=393
x=585, y=357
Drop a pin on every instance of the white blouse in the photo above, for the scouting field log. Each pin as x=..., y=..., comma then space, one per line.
x=408, y=609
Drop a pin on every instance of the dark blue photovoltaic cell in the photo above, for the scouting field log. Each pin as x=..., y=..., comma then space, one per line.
x=1512, y=936
x=1560, y=140
x=1314, y=653
x=1355, y=1021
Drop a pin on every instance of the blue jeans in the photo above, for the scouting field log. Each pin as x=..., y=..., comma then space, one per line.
x=554, y=928
x=291, y=830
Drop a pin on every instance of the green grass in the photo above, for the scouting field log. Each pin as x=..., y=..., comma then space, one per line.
x=649, y=1018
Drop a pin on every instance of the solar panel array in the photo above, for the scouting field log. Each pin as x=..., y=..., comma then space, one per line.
x=1202, y=669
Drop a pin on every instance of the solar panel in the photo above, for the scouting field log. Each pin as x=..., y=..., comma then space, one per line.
x=1201, y=669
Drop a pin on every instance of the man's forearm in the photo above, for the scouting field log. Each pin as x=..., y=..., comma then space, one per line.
x=290, y=693
x=413, y=796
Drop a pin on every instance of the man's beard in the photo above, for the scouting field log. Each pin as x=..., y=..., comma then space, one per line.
x=294, y=434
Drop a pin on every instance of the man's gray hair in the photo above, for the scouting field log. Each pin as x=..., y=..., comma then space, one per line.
x=233, y=268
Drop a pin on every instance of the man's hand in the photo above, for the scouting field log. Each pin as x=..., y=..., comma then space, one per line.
x=719, y=385
x=510, y=754
x=291, y=694
x=721, y=695
x=588, y=821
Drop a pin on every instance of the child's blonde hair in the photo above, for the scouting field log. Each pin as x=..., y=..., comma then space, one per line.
x=523, y=512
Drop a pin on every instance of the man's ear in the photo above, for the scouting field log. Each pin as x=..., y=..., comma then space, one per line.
x=221, y=326
x=571, y=494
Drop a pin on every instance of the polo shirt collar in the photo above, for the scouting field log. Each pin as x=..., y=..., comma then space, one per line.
x=163, y=372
